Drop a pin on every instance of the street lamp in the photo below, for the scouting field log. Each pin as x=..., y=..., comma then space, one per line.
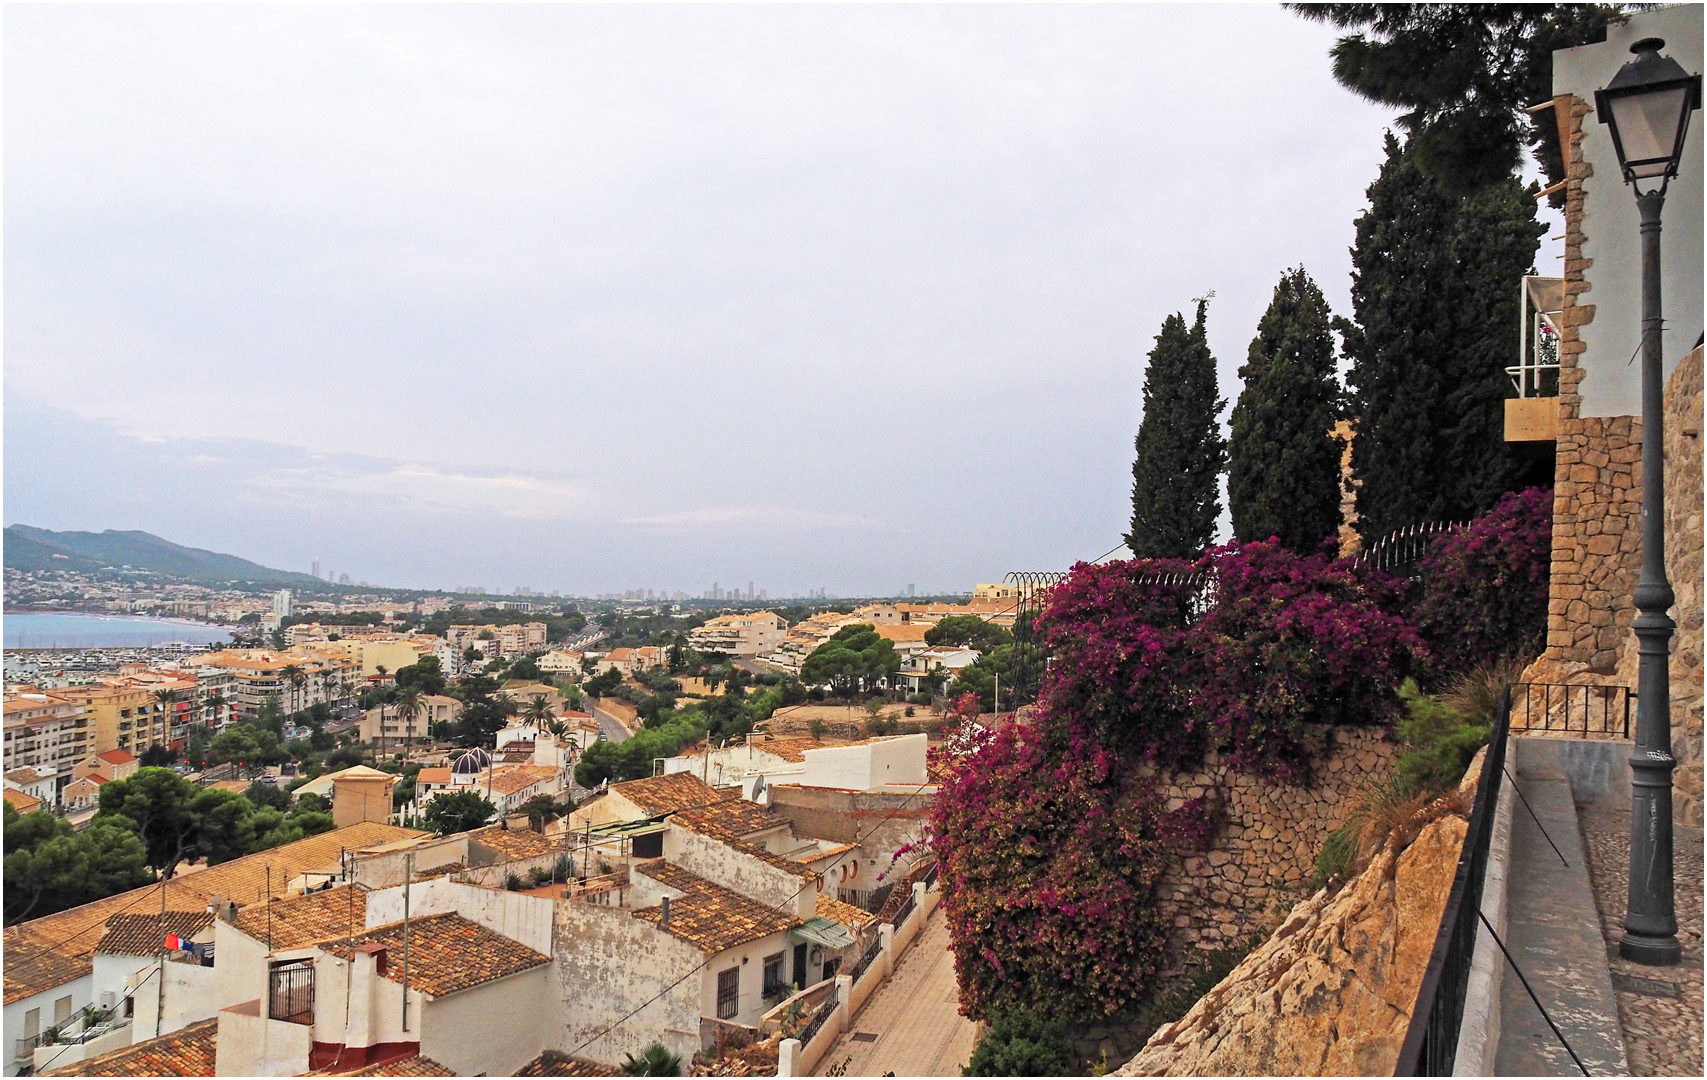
x=1647, y=107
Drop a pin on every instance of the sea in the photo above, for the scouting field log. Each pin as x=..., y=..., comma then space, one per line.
x=74, y=630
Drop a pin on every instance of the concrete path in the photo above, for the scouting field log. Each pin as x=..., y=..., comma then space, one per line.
x=912, y=1025
x=1554, y=935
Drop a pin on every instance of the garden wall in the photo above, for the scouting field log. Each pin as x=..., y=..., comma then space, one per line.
x=1263, y=856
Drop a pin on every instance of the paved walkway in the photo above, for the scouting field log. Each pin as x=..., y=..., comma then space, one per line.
x=912, y=1025
x=1553, y=932
x=1659, y=1008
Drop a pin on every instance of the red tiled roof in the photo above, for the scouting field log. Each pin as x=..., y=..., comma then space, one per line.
x=552, y=1063
x=134, y=934
x=186, y=1052
x=663, y=794
x=447, y=953
x=708, y=915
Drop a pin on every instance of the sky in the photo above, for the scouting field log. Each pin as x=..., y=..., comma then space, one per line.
x=598, y=298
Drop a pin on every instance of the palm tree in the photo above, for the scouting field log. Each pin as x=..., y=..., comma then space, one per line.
x=294, y=675
x=216, y=702
x=166, y=698
x=539, y=710
x=409, y=706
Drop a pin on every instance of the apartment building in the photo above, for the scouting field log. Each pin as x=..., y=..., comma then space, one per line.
x=123, y=715
x=385, y=724
x=741, y=634
x=46, y=732
x=511, y=640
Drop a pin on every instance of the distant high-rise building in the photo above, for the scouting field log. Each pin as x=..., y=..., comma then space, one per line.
x=910, y=591
x=281, y=603
x=343, y=579
x=750, y=593
x=316, y=568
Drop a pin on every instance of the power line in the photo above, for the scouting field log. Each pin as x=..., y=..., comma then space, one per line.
x=142, y=894
x=158, y=968
x=704, y=963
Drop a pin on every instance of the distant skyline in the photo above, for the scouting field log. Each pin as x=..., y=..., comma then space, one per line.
x=598, y=298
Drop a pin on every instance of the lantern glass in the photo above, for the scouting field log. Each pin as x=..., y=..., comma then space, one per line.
x=1648, y=127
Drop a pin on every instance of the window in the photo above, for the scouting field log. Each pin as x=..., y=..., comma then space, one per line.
x=728, y=993
x=62, y=1009
x=32, y=1023
x=776, y=983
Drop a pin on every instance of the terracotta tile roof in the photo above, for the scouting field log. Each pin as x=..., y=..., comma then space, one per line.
x=307, y=919
x=433, y=776
x=846, y=914
x=781, y=862
x=117, y=757
x=413, y=1065
x=186, y=1052
x=552, y=1063
x=21, y=801
x=709, y=916
x=66, y=939
x=907, y=631
x=663, y=794
x=447, y=953
x=245, y=880
x=135, y=934
x=793, y=748
x=513, y=844
x=24, y=776
x=734, y=816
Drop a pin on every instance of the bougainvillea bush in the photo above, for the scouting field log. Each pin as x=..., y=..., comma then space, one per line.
x=1051, y=854
x=1482, y=589
x=1286, y=640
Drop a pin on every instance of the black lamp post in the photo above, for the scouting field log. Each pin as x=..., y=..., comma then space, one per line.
x=1647, y=107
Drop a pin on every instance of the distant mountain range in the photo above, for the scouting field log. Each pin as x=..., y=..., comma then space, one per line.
x=116, y=552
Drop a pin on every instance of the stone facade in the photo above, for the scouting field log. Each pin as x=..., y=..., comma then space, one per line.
x=1263, y=856
x=1597, y=510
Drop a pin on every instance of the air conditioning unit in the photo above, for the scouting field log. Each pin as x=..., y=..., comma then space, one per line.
x=108, y=999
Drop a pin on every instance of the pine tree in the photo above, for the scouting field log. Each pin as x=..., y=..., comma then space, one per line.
x=1180, y=452
x=1284, y=472
x=1434, y=294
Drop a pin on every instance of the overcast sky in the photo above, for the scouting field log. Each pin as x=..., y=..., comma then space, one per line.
x=588, y=298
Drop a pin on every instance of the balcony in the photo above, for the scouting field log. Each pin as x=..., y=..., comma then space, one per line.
x=1533, y=415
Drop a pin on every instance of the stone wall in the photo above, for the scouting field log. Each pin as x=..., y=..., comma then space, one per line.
x=1597, y=550
x=1261, y=860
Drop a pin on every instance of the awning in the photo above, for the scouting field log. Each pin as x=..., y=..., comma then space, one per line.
x=825, y=932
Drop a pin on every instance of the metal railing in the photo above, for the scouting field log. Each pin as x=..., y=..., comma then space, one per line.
x=1581, y=709
x=902, y=912
x=931, y=875
x=290, y=992
x=1431, y=1041
x=819, y=1018
x=866, y=959
x=1402, y=548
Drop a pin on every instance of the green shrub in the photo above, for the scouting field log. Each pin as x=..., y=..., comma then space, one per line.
x=655, y=1060
x=1440, y=741
x=1336, y=856
x=514, y=883
x=1020, y=1044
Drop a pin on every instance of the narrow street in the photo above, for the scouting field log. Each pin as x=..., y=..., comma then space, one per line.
x=912, y=1026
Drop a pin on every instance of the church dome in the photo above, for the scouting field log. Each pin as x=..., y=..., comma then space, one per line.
x=471, y=762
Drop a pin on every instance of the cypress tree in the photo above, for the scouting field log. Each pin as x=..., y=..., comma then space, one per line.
x=1284, y=471
x=1180, y=453
x=1434, y=292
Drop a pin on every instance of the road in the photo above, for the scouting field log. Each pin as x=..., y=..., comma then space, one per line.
x=912, y=1025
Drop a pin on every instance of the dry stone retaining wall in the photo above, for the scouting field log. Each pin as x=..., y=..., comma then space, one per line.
x=1262, y=858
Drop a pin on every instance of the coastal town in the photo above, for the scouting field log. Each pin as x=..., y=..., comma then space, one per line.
x=1348, y=720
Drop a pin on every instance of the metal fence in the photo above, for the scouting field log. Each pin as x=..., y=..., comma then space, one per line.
x=290, y=991
x=1580, y=709
x=902, y=912
x=1431, y=1041
x=826, y=1009
x=866, y=959
x=1401, y=548
x=931, y=875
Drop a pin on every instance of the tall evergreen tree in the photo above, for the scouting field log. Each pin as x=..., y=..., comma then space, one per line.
x=1433, y=292
x=1284, y=470
x=1176, y=474
x=1467, y=73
